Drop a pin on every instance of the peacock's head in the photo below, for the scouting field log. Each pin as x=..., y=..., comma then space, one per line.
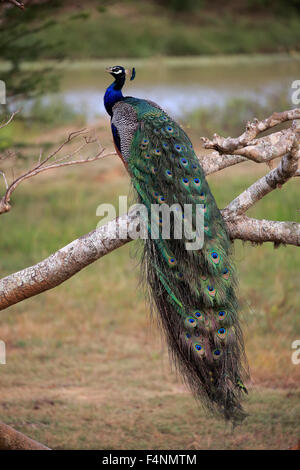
x=119, y=72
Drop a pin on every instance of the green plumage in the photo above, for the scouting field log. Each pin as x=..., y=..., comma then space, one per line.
x=193, y=291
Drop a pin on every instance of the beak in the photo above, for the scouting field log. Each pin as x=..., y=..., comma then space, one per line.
x=108, y=69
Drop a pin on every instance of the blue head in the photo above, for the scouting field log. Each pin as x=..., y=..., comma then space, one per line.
x=113, y=93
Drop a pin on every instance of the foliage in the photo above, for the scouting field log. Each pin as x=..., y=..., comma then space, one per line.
x=19, y=43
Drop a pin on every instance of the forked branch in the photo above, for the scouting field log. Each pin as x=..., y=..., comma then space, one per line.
x=54, y=161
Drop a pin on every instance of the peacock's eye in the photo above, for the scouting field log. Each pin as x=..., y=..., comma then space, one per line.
x=198, y=347
x=191, y=322
x=185, y=180
x=196, y=180
x=222, y=333
x=215, y=257
x=172, y=261
x=211, y=291
x=217, y=352
x=184, y=161
x=225, y=274
x=221, y=313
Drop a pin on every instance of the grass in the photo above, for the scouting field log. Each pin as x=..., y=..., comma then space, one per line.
x=84, y=370
x=146, y=29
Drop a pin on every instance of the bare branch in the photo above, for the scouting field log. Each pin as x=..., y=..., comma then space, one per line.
x=230, y=145
x=286, y=169
x=215, y=162
x=10, y=439
x=71, y=259
x=4, y=177
x=269, y=147
x=15, y=2
x=261, y=231
x=63, y=264
x=9, y=120
x=45, y=165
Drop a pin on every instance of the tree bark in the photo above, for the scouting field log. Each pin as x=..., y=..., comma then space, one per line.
x=10, y=439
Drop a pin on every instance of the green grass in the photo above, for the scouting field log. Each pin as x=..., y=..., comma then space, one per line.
x=84, y=370
x=145, y=29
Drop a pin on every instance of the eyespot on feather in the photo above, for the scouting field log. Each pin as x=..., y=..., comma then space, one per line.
x=196, y=182
x=184, y=162
x=211, y=290
x=221, y=315
x=185, y=182
x=190, y=322
x=199, y=349
x=178, y=148
x=199, y=315
x=222, y=333
x=225, y=274
x=217, y=354
x=215, y=257
x=172, y=261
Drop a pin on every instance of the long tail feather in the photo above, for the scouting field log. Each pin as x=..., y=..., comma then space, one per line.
x=193, y=290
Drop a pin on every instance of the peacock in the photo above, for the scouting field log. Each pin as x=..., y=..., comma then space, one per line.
x=193, y=291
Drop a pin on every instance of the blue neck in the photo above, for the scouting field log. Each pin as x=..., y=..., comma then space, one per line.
x=113, y=94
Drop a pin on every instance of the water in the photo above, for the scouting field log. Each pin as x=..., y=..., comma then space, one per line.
x=181, y=89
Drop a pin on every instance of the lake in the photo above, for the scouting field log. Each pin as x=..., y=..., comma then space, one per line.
x=181, y=85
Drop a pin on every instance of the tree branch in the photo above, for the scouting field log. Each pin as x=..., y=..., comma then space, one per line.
x=62, y=264
x=71, y=259
x=261, y=231
x=16, y=3
x=216, y=162
x=44, y=165
x=275, y=178
x=230, y=145
x=10, y=439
